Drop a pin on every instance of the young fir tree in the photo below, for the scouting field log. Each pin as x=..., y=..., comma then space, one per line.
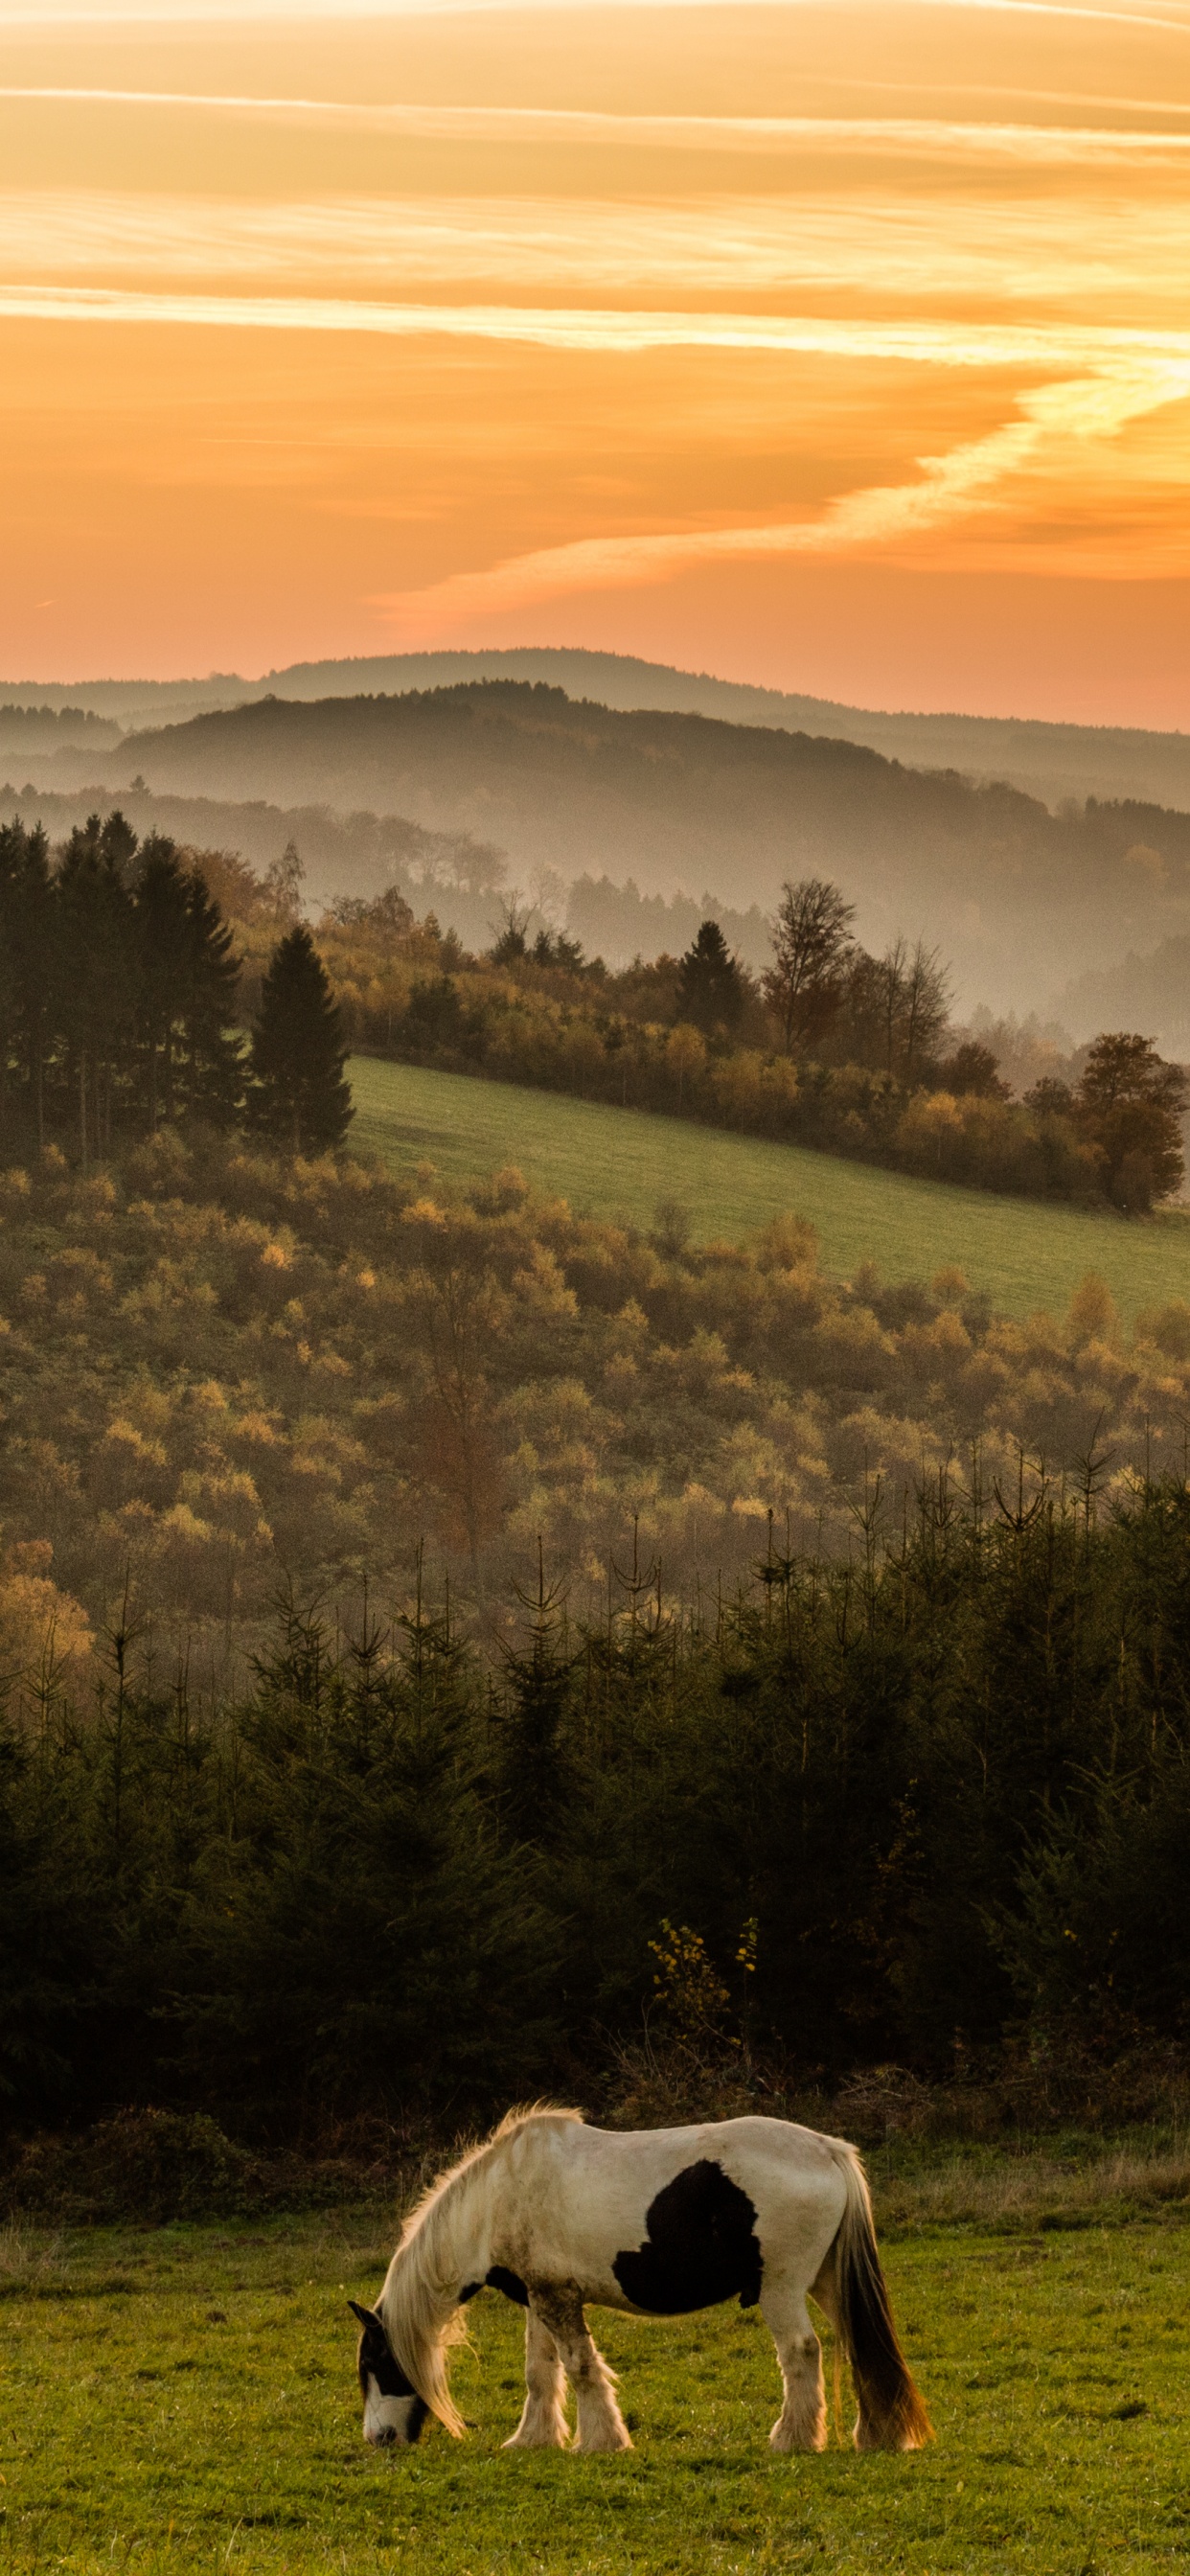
x=711, y=989
x=299, y=1096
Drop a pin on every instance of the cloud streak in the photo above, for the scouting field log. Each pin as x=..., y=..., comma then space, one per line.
x=626, y=333
x=1033, y=250
x=965, y=140
x=974, y=477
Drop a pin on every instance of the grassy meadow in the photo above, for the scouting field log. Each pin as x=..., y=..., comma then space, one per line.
x=185, y=2399
x=616, y=1163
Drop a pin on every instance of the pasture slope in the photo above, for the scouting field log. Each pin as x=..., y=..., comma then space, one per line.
x=617, y=1163
x=185, y=2399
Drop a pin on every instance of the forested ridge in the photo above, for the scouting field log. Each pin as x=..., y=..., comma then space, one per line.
x=693, y=783
x=671, y=799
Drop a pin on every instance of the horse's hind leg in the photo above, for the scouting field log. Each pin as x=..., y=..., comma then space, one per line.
x=801, y=2424
x=543, y=2425
x=601, y=2427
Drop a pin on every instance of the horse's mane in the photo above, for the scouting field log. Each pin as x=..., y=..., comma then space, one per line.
x=419, y=2299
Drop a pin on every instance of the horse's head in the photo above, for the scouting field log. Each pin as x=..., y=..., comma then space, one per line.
x=393, y=2411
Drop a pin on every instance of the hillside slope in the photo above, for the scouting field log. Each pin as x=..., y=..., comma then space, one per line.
x=621, y=1164
x=1004, y=885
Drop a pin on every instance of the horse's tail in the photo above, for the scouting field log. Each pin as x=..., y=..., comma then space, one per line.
x=892, y=2416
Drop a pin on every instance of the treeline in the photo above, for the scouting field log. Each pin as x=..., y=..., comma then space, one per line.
x=899, y=1809
x=123, y=996
x=120, y=1004
x=830, y=1047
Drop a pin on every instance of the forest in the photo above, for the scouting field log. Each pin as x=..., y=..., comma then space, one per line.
x=928, y=1809
x=571, y=1621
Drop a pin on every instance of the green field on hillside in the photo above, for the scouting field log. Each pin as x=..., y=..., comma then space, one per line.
x=184, y=2399
x=621, y=1162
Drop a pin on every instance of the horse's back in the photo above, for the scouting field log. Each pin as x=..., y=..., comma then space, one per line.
x=668, y=2220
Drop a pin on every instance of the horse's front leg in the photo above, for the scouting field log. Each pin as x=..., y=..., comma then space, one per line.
x=543, y=2425
x=601, y=2427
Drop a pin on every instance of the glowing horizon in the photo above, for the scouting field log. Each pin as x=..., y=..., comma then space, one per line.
x=838, y=347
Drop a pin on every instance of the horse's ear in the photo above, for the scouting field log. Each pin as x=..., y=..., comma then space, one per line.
x=367, y=2316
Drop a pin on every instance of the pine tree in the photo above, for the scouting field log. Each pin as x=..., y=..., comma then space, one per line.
x=299, y=1095
x=97, y=996
x=711, y=988
x=27, y=960
x=191, y=1053
x=162, y=958
x=216, y=1063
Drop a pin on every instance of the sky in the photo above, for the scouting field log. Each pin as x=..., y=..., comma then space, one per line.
x=841, y=346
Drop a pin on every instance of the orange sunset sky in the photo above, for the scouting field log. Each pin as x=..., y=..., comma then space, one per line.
x=842, y=347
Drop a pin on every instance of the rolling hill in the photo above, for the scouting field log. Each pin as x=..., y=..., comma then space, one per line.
x=1004, y=886
x=1050, y=760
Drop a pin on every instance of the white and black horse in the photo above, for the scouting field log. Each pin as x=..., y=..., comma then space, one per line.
x=655, y=2222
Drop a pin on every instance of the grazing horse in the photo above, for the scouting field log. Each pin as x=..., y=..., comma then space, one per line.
x=655, y=2222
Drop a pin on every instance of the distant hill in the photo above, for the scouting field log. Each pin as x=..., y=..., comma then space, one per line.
x=42, y=729
x=1014, y=894
x=1051, y=760
x=1150, y=993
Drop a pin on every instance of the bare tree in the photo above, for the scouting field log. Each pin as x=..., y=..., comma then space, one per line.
x=283, y=882
x=891, y=972
x=811, y=945
x=925, y=1009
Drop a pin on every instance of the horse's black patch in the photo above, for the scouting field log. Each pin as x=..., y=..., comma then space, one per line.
x=511, y=2284
x=378, y=2362
x=700, y=2247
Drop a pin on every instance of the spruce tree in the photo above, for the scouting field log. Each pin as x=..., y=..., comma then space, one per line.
x=711, y=989
x=215, y=1048
x=162, y=958
x=299, y=1096
x=28, y=948
x=190, y=1049
x=97, y=995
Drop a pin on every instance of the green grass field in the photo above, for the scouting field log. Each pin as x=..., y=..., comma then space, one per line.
x=185, y=2399
x=620, y=1163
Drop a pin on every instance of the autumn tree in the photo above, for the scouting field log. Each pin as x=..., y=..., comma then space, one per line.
x=299, y=1096
x=1129, y=1105
x=811, y=944
x=712, y=991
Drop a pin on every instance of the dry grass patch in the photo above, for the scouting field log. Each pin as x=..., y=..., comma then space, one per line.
x=1037, y=2190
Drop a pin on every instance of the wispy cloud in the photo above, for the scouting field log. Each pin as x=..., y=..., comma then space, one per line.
x=951, y=139
x=976, y=476
x=1033, y=250
x=940, y=344
x=62, y=13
